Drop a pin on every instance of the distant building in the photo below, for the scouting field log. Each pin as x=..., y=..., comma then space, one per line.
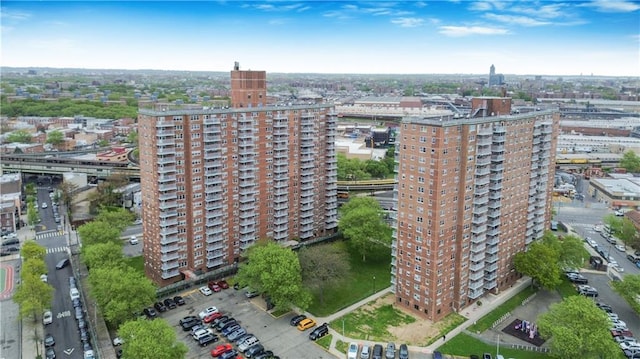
x=494, y=78
x=620, y=192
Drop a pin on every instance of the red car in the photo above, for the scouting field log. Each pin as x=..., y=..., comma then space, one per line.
x=221, y=349
x=211, y=317
x=621, y=333
x=223, y=284
x=214, y=286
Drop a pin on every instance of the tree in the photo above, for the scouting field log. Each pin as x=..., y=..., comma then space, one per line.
x=20, y=136
x=132, y=137
x=98, y=232
x=151, y=339
x=540, y=262
x=376, y=169
x=106, y=194
x=117, y=217
x=67, y=192
x=30, y=189
x=33, y=267
x=579, y=330
x=323, y=266
x=33, y=217
x=362, y=222
x=33, y=296
x=629, y=289
x=55, y=137
x=120, y=292
x=570, y=250
x=32, y=250
x=275, y=271
x=103, y=255
x=614, y=222
x=627, y=232
x=630, y=161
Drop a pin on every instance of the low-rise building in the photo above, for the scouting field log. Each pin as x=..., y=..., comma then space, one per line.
x=621, y=192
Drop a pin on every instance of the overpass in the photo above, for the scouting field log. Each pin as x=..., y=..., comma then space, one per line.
x=60, y=165
x=371, y=185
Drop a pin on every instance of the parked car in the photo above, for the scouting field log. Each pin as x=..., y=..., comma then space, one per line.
x=133, y=240
x=306, y=324
x=319, y=332
x=297, y=319
x=254, y=350
x=228, y=329
x=160, y=307
x=170, y=303
x=47, y=317
x=377, y=352
x=205, y=290
x=200, y=332
x=50, y=353
x=117, y=341
x=390, y=353
x=63, y=263
x=222, y=325
x=365, y=353
x=352, y=351
x=214, y=323
x=214, y=286
x=250, y=293
x=236, y=334
x=403, y=352
x=229, y=355
x=223, y=284
x=49, y=341
x=207, y=339
x=207, y=311
x=10, y=242
x=189, y=322
x=150, y=312
x=211, y=317
x=179, y=300
x=247, y=343
x=221, y=349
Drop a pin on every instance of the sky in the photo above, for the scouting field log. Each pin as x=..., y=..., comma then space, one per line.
x=559, y=37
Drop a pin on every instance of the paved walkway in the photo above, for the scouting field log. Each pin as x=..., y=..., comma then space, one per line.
x=472, y=313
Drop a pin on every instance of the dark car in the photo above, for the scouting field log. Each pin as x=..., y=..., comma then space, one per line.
x=403, y=352
x=178, y=300
x=207, y=339
x=438, y=355
x=390, y=353
x=215, y=322
x=72, y=282
x=254, y=350
x=297, y=319
x=79, y=313
x=82, y=324
x=160, y=307
x=11, y=242
x=50, y=353
x=239, y=339
x=169, y=303
x=49, y=341
x=606, y=307
x=84, y=335
x=265, y=355
x=236, y=334
x=63, y=263
x=189, y=322
x=76, y=303
x=7, y=251
x=591, y=293
x=319, y=332
x=150, y=312
x=377, y=352
x=221, y=325
x=119, y=353
x=229, y=325
x=229, y=355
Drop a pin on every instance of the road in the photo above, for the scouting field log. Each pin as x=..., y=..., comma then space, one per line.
x=64, y=327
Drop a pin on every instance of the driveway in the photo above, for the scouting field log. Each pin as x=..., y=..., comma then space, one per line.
x=274, y=333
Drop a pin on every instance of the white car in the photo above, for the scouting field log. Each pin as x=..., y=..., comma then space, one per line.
x=619, y=213
x=133, y=240
x=612, y=260
x=620, y=247
x=597, y=228
x=200, y=333
x=44, y=205
x=44, y=278
x=619, y=323
x=617, y=268
x=207, y=311
x=613, y=316
x=205, y=291
x=117, y=341
x=352, y=352
x=592, y=243
x=630, y=346
x=47, y=317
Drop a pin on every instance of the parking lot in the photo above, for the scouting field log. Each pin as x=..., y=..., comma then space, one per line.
x=274, y=334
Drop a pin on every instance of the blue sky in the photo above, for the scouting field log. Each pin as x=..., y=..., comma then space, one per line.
x=600, y=37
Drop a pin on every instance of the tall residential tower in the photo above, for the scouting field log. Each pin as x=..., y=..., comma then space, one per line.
x=216, y=180
x=471, y=194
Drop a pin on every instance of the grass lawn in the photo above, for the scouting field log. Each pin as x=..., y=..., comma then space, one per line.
x=447, y=324
x=325, y=341
x=368, y=324
x=465, y=345
x=359, y=283
x=136, y=263
x=342, y=346
x=566, y=288
x=487, y=321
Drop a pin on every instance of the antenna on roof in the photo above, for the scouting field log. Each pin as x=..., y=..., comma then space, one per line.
x=236, y=66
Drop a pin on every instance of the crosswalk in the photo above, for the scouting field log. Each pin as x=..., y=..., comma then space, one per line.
x=58, y=249
x=49, y=234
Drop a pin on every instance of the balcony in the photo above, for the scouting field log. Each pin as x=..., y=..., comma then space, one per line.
x=168, y=214
x=495, y=186
x=482, y=171
x=170, y=274
x=491, y=267
x=475, y=276
x=170, y=257
x=168, y=223
x=247, y=230
x=166, y=169
x=490, y=284
x=168, y=249
x=166, y=150
x=169, y=265
x=475, y=285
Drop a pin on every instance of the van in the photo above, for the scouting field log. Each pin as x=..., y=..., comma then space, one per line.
x=74, y=294
x=554, y=225
x=247, y=344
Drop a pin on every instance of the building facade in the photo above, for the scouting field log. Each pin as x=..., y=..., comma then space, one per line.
x=215, y=181
x=471, y=194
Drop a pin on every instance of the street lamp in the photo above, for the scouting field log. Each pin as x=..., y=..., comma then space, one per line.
x=374, y=284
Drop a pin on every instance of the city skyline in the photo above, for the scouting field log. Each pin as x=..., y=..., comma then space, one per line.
x=409, y=37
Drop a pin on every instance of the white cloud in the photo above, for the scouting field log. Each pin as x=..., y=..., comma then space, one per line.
x=546, y=11
x=408, y=21
x=299, y=7
x=16, y=15
x=276, y=22
x=516, y=20
x=486, y=5
x=613, y=5
x=460, y=31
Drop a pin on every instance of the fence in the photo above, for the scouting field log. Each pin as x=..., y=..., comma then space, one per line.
x=502, y=319
x=503, y=344
x=530, y=298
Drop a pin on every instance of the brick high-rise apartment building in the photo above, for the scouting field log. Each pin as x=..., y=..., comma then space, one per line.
x=216, y=180
x=472, y=192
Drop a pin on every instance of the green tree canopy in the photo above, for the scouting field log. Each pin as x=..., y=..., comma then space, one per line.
x=627, y=232
x=118, y=217
x=151, y=339
x=19, y=136
x=323, y=266
x=98, y=232
x=120, y=292
x=276, y=271
x=34, y=267
x=579, y=330
x=33, y=296
x=132, y=137
x=540, y=262
x=32, y=250
x=31, y=189
x=67, y=192
x=103, y=255
x=630, y=161
x=362, y=222
x=33, y=217
x=570, y=250
x=629, y=289
x=55, y=137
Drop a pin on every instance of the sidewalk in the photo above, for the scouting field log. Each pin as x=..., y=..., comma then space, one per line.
x=30, y=330
x=472, y=313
